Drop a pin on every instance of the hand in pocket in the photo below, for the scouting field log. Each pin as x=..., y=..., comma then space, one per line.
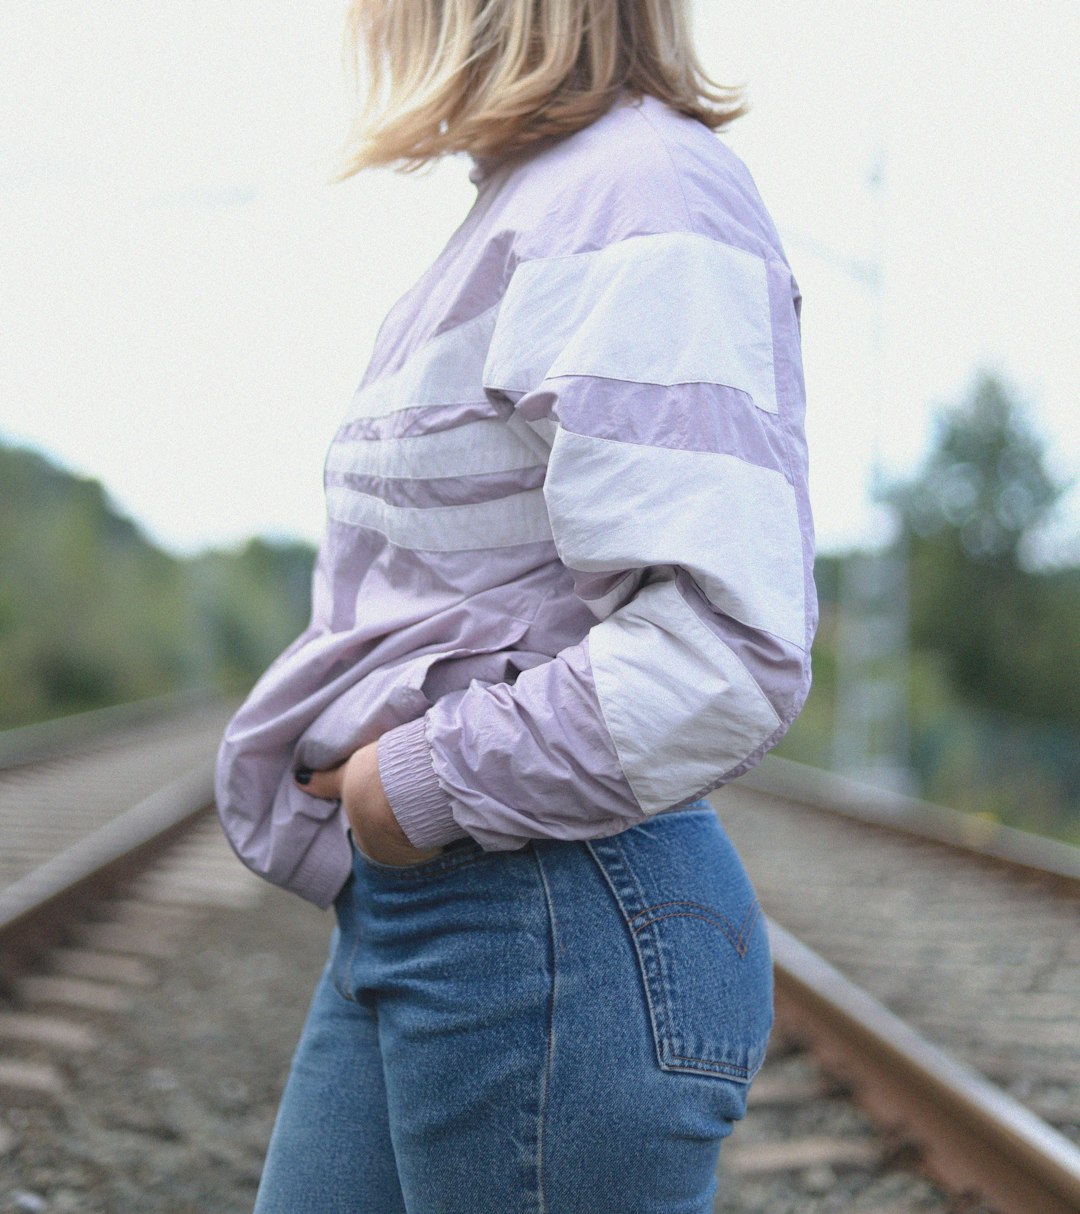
x=356, y=784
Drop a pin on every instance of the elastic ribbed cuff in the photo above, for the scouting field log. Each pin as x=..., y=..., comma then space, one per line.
x=412, y=788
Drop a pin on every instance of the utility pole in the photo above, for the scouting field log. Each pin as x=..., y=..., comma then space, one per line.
x=870, y=722
x=870, y=739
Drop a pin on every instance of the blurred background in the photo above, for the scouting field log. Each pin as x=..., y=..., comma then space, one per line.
x=187, y=306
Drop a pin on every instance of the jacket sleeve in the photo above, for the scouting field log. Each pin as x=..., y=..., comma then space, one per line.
x=661, y=376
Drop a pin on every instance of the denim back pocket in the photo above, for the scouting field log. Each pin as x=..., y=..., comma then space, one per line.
x=700, y=940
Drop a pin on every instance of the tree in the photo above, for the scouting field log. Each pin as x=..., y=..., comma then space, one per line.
x=985, y=482
x=1009, y=638
x=93, y=613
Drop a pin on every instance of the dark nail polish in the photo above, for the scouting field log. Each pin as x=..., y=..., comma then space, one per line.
x=303, y=775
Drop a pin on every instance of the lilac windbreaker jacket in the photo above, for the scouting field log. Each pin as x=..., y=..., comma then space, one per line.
x=566, y=577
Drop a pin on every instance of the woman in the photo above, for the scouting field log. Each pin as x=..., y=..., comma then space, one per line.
x=564, y=590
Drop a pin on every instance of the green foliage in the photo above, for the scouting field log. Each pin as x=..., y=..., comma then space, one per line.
x=827, y=572
x=1009, y=638
x=1020, y=772
x=92, y=613
x=250, y=604
x=994, y=678
x=984, y=487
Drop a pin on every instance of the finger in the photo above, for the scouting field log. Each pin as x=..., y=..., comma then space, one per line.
x=319, y=783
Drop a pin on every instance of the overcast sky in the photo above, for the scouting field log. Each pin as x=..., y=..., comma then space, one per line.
x=186, y=305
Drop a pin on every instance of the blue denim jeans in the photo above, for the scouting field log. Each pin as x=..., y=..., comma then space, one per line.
x=566, y=1029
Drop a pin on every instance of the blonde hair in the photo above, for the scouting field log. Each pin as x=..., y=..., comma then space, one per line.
x=491, y=77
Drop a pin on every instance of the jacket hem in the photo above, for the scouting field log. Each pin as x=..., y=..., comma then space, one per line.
x=324, y=867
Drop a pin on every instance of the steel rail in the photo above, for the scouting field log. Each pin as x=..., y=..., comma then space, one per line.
x=34, y=909
x=837, y=794
x=44, y=740
x=973, y=1136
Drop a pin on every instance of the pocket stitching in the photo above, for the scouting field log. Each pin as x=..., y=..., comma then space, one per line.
x=739, y=940
x=650, y=959
x=733, y=1069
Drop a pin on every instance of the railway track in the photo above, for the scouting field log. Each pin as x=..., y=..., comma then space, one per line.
x=804, y=1146
x=933, y=929
x=61, y=781
x=86, y=801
